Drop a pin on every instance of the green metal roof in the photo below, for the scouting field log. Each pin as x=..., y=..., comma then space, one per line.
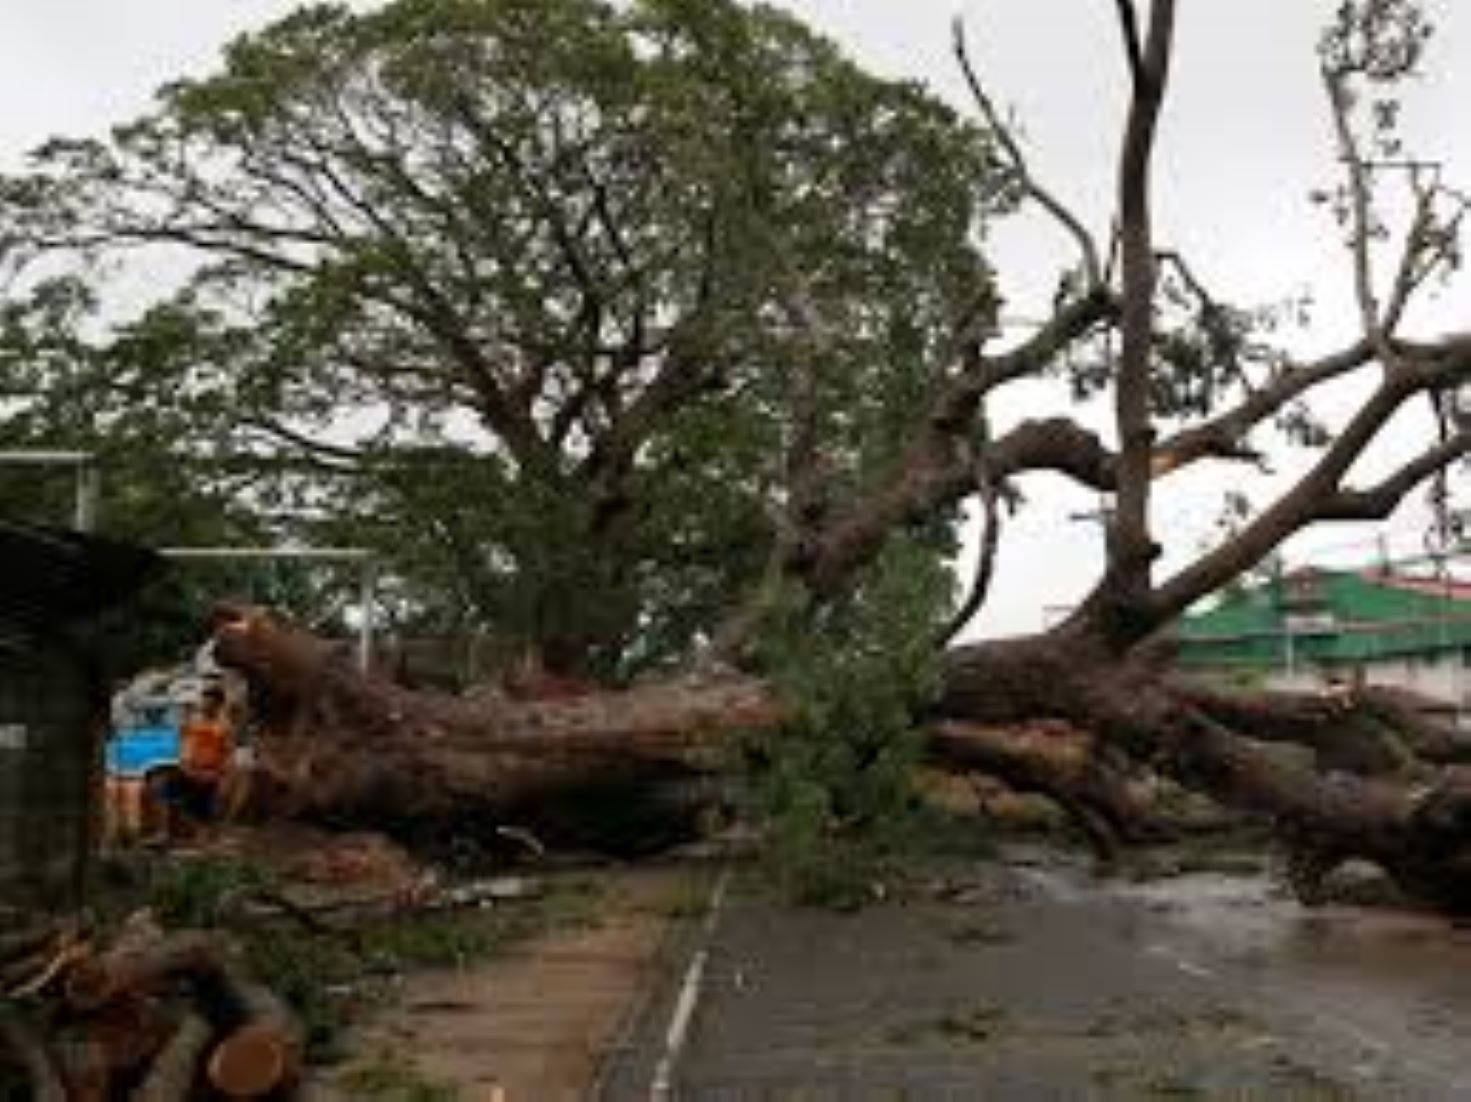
x=1330, y=618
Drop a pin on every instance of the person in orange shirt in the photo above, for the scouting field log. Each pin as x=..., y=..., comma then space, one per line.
x=206, y=747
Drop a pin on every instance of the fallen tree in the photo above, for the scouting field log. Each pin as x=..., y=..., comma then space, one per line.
x=352, y=747
x=748, y=364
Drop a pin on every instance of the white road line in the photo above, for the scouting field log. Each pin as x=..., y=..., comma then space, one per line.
x=662, y=1087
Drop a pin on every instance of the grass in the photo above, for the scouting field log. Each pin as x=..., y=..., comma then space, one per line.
x=387, y=1079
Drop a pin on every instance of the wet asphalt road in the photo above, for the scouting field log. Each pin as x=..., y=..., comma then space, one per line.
x=1025, y=980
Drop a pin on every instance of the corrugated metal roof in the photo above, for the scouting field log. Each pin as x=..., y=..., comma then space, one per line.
x=52, y=577
x=1451, y=589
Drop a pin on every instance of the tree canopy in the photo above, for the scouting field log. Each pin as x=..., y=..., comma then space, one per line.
x=601, y=319
x=562, y=305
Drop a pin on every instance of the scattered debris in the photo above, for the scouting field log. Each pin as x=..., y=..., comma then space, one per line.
x=156, y=1014
x=167, y=1002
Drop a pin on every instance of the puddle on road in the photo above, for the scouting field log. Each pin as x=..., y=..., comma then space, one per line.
x=1395, y=981
x=1253, y=913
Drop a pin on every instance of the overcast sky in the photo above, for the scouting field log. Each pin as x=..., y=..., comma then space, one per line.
x=1245, y=137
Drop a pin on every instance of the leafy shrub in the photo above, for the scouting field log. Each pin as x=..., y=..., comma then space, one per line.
x=202, y=891
x=834, y=786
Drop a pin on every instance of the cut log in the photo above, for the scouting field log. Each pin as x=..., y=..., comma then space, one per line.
x=261, y=1047
x=137, y=969
x=82, y=1064
x=263, y=1053
x=129, y=1032
x=172, y=1076
x=20, y=1038
x=255, y=1060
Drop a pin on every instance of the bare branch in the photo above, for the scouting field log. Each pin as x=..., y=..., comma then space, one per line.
x=335, y=453
x=1075, y=320
x=1223, y=436
x=989, y=495
x=1430, y=243
x=1379, y=501
x=1316, y=496
x=1413, y=270
x=1133, y=51
x=1361, y=214
x=1057, y=445
x=937, y=469
x=1092, y=268
x=938, y=473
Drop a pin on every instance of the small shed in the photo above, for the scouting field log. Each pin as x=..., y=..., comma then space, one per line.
x=53, y=585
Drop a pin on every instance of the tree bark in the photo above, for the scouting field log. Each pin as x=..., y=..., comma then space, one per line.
x=175, y=1069
x=339, y=747
x=1417, y=828
x=1057, y=761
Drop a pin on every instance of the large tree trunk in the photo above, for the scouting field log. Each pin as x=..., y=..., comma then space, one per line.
x=580, y=768
x=338, y=745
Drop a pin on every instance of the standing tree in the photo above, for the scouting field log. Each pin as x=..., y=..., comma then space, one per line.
x=526, y=292
x=626, y=324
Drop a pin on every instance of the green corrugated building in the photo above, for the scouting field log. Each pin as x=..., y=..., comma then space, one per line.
x=1315, y=626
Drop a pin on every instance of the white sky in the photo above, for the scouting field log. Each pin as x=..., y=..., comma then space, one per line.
x=1245, y=137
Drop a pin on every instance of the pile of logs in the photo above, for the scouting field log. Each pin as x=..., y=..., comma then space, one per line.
x=150, y=1017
